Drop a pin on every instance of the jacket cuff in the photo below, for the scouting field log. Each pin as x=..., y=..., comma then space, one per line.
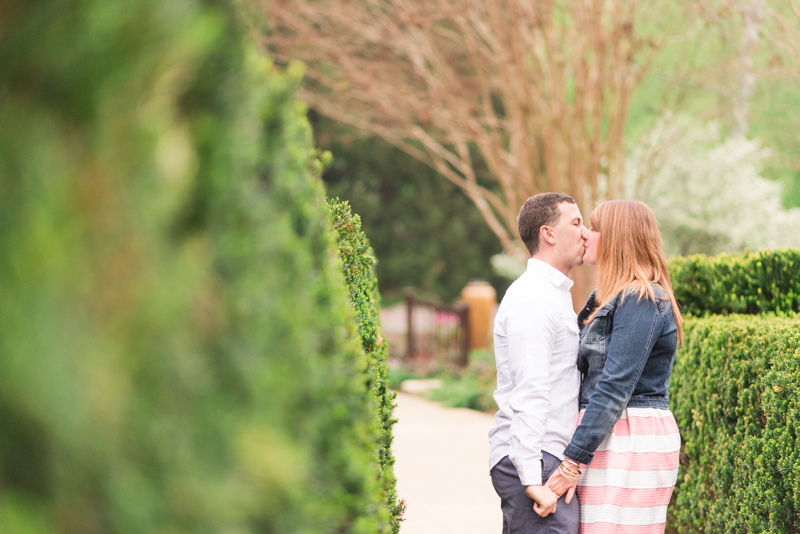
x=531, y=474
x=579, y=455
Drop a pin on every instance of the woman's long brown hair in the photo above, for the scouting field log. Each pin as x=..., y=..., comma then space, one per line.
x=630, y=254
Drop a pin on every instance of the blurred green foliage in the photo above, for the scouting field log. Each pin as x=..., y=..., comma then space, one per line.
x=735, y=393
x=752, y=282
x=471, y=387
x=177, y=353
x=426, y=233
x=461, y=387
x=358, y=266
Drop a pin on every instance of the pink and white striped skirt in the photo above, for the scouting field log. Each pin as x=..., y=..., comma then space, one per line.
x=628, y=485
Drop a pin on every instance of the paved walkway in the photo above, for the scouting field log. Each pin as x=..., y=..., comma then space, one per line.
x=442, y=468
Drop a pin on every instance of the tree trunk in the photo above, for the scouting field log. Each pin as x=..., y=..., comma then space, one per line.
x=585, y=283
x=751, y=27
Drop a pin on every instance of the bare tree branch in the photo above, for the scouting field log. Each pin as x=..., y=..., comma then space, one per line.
x=537, y=91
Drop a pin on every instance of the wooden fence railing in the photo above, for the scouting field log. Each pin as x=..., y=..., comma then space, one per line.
x=437, y=329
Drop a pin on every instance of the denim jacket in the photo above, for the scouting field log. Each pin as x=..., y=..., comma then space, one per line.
x=626, y=358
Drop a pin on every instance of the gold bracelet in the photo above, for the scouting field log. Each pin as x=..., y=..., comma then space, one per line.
x=572, y=472
x=575, y=473
x=573, y=462
x=571, y=475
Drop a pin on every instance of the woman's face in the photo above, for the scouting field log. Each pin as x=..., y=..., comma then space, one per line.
x=590, y=248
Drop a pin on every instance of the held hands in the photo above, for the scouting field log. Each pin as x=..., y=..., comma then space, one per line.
x=564, y=480
x=544, y=500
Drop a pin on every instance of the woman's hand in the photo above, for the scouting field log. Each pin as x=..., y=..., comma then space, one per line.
x=559, y=485
x=543, y=498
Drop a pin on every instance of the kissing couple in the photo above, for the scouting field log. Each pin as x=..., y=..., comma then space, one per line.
x=584, y=441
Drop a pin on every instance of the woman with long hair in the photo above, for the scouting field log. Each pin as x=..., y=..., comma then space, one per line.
x=623, y=457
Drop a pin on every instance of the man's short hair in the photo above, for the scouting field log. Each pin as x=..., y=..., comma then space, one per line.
x=539, y=210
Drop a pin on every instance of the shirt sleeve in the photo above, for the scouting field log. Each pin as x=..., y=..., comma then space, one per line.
x=531, y=338
x=637, y=325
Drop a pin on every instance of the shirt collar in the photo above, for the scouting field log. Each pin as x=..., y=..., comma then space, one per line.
x=552, y=274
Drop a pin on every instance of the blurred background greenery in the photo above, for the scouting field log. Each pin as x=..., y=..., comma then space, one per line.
x=425, y=232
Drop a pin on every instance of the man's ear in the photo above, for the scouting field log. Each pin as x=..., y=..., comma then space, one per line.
x=546, y=233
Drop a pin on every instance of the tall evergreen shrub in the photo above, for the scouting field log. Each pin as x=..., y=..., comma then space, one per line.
x=751, y=283
x=735, y=393
x=358, y=266
x=177, y=353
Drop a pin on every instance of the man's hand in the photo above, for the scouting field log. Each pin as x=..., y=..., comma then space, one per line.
x=559, y=485
x=544, y=499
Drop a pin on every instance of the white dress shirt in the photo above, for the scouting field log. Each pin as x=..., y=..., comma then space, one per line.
x=536, y=341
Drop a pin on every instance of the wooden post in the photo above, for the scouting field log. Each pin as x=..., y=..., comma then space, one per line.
x=464, y=348
x=409, y=295
x=481, y=299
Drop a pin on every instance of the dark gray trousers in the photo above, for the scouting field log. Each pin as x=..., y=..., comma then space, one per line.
x=518, y=514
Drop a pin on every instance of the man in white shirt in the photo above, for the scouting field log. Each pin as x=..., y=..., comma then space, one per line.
x=536, y=342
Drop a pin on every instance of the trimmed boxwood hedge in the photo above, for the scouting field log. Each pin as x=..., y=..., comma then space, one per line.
x=177, y=352
x=358, y=266
x=735, y=393
x=751, y=283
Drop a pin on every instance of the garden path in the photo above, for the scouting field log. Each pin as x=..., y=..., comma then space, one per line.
x=442, y=457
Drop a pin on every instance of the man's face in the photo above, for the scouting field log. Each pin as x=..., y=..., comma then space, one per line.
x=570, y=234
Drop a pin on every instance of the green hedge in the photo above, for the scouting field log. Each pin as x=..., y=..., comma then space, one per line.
x=735, y=393
x=752, y=282
x=177, y=353
x=358, y=266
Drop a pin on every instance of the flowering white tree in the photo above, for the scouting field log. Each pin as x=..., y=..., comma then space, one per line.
x=707, y=192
